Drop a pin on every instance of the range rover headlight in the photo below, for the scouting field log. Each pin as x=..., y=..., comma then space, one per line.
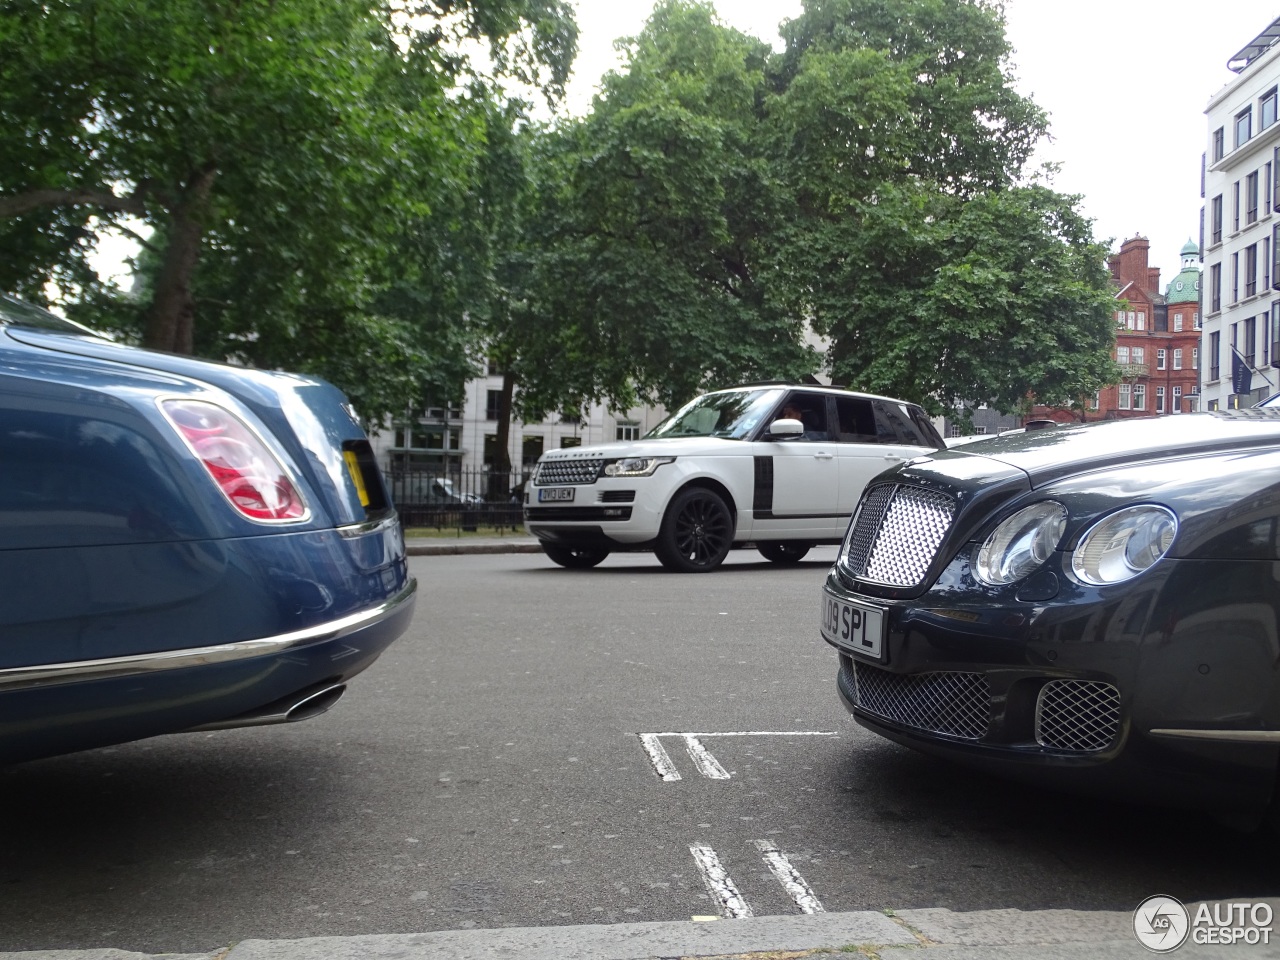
x=1021, y=544
x=1124, y=544
x=634, y=466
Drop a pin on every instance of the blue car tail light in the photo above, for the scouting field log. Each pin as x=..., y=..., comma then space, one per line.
x=250, y=476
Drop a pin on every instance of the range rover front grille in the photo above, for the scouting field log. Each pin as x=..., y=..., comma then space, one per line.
x=1079, y=715
x=955, y=704
x=896, y=533
x=551, y=472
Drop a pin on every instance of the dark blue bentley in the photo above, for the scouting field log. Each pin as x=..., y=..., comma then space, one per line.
x=1095, y=607
x=183, y=545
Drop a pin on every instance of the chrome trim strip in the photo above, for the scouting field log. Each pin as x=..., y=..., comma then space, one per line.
x=1234, y=736
x=110, y=668
x=352, y=530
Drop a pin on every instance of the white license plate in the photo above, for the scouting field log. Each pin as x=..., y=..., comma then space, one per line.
x=854, y=627
x=555, y=495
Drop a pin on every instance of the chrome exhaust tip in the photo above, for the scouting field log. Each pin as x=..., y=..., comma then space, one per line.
x=292, y=709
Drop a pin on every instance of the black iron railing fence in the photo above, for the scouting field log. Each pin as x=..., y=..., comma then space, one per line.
x=448, y=498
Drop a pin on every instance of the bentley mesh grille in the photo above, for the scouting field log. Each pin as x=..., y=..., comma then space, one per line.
x=567, y=471
x=896, y=534
x=957, y=704
x=1081, y=715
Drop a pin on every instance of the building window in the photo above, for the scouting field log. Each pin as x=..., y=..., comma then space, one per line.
x=1095, y=401
x=1250, y=339
x=1235, y=207
x=1215, y=347
x=1195, y=317
x=1122, y=355
x=627, y=430
x=1215, y=287
x=492, y=404
x=531, y=447
x=1266, y=188
x=1235, y=277
x=1126, y=396
x=1244, y=126
x=1267, y=109
x=1177, y=323
x=1139, y=396
x=1142, y=320
x=1160, y=358
x=1159, y=399
x=1266, y=264
x=1195, y=358
x=1251, y=270
x=567, y=442
x=1177, y=399
x=1219, y=144
x=1251, y=198
x=1177, y=358
x=1215, y=208
x=1138, y=354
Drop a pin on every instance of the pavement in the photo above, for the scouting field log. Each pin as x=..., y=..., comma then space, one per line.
x=915, y=934
x=928, y=934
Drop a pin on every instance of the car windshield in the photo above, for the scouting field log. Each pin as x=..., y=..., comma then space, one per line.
x=19, y=314
x=731, y=414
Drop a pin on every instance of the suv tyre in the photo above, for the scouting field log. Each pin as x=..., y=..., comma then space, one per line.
x=574, y=558
x=697, y=532
x=784, y=551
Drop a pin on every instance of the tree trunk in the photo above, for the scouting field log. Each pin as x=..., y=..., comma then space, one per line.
x=500, y=469
x=170, y=319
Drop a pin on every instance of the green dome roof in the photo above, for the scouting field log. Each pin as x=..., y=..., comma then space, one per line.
x=1190, y=248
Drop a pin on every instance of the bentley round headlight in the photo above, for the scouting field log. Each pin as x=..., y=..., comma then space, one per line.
x=1021, y=544
x=1124, y=544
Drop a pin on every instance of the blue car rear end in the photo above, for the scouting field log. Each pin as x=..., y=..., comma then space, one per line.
x=182, y=544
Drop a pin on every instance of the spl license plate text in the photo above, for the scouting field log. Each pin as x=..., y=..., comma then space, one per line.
x=853, y=626
x=555, y=495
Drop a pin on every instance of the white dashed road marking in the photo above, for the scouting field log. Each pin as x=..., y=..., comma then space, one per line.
x=659, y=757
x=703, y=760
x=707, y=764
x=719, y=884
x=789, y=877
x=729, y=899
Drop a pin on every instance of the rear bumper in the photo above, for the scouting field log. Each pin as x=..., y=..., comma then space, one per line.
x=60, y=708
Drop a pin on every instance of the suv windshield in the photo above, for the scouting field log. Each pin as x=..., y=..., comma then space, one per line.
x=731, y=414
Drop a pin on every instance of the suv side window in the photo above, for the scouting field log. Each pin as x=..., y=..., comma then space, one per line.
x=894, y=425
x=811, y=410
x=857, y=420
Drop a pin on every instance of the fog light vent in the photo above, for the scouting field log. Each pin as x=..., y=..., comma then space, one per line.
x=1077, y=715
x=956, y=704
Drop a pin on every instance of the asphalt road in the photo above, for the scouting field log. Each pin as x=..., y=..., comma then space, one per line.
x=492, y=769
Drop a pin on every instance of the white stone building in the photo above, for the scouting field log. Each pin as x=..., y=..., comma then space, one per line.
x=1240, y=230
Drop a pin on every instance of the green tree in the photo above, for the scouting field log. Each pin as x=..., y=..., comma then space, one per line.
x=279, y=150
x=640, y=268
x=916, y=241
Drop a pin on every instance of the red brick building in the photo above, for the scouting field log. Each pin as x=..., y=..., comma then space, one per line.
x=1157, y=339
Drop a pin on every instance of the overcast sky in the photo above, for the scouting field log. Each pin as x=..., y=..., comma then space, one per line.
x=1125, y=83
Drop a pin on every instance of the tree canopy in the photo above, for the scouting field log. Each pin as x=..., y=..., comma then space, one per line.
x=869, y=184
x=342, y=186
x=278, y=150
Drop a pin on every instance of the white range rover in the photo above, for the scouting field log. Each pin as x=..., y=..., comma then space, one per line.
x=778, y=465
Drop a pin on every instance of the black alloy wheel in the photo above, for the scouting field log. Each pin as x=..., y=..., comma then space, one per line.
x=574, y=558
x=697, y=532
x=784, y=551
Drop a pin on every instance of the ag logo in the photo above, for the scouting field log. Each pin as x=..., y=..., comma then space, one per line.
x=1161, y=924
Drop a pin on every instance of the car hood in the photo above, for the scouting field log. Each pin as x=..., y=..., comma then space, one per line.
x=1048, y=455
x=667, y=447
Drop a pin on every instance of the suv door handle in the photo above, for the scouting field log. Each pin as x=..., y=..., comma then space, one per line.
x=824, y=456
